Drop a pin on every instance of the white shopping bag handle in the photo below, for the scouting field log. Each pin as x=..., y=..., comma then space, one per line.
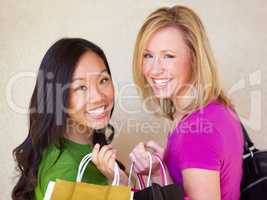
x=86, y=160
x=162, y=170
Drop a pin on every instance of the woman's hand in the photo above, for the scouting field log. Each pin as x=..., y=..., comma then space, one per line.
x=139, y=156
x=104, y=159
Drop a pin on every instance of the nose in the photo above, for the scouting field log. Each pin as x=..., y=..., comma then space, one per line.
x=157, y=66
x=95, y=95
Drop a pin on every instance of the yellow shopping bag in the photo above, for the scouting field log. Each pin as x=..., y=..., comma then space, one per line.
x=67, y=190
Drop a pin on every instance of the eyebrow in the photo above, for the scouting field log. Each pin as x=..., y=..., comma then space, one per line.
x=167, y=50
x=82, y=78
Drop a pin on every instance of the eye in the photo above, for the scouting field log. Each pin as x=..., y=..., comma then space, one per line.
x=104, y=80
x=169, y=56
x=81, y=88
x=148, y=55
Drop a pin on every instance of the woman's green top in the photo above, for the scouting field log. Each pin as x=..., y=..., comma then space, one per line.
x=64, y=165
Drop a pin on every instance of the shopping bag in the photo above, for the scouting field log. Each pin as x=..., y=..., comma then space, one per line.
x=155, y=191
x=67, y=190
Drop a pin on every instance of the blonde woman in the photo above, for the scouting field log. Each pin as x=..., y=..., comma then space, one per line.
x=175, y=71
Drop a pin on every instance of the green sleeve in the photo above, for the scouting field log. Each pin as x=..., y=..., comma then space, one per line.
x=64, y=172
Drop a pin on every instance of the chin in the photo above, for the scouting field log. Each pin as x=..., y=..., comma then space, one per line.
x=163, y=95
x=99, y=125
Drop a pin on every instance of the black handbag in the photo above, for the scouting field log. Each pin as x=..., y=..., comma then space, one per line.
x=157, y=192
x=254, y=180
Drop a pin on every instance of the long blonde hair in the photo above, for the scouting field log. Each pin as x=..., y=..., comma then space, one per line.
x=204, y=70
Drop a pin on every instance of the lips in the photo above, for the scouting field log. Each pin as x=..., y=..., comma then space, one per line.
x=160, y=83
x=98, y=113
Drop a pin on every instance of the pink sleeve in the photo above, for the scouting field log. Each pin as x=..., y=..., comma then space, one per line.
x=200, y=148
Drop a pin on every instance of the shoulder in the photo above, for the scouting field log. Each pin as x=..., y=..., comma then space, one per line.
x=209, y=117
x=53, y=160
x=201, y=138
x=201, y=127
x=213, y=110
x=55, y=164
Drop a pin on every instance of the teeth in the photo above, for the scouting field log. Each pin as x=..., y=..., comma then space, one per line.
x=161, y=81
x=97, y=111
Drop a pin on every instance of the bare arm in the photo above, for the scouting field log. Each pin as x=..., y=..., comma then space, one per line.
x=201, y=184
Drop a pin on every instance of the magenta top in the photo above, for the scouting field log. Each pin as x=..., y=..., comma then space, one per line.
x=210, y=138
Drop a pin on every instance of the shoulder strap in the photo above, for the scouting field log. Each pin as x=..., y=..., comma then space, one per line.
x=248, y=144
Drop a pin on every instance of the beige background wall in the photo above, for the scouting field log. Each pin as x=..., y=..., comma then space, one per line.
x=237, y=30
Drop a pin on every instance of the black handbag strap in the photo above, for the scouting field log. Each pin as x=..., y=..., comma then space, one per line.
x=248, y=144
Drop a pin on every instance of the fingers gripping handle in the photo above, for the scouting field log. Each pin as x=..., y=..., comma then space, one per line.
x=140, y=178
x=86, y=160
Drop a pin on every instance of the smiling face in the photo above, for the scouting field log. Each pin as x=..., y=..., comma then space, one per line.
x=91, y=92
x=166, y=62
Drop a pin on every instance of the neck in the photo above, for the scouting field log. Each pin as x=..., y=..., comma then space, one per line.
x=181, y=100
x=79, y=133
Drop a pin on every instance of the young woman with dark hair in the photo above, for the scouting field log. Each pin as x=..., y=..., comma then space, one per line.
x=69, y=114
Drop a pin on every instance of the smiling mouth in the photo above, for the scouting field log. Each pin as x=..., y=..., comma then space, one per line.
x=98, y=113
x=160, y=83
